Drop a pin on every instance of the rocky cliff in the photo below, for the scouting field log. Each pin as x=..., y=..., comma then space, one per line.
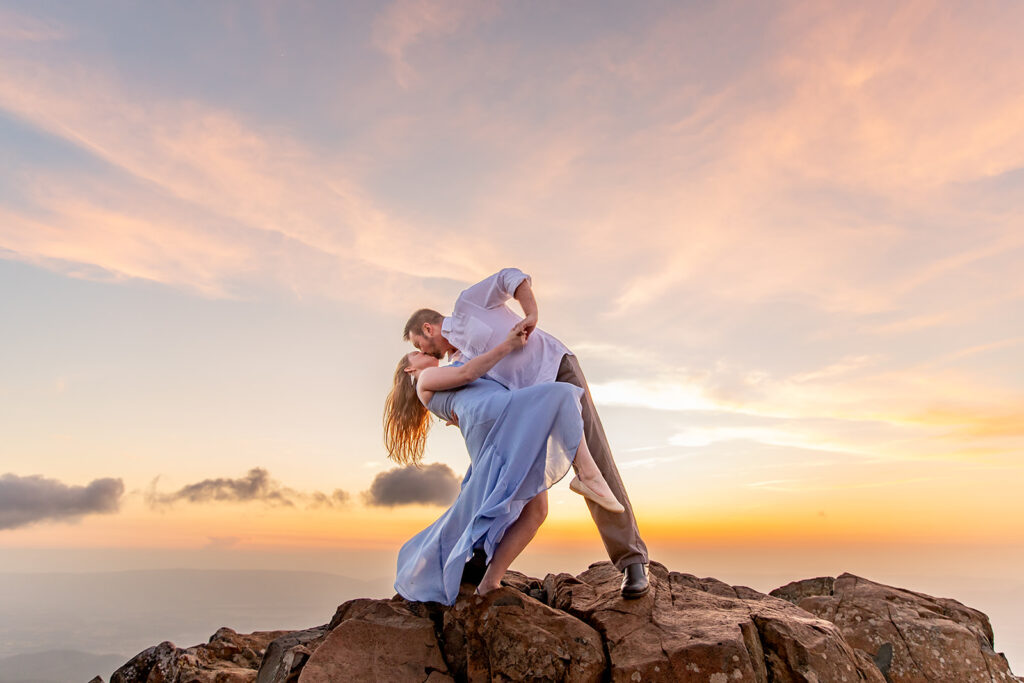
x=578, y=628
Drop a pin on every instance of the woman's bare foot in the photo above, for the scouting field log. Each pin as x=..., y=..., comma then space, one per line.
x=486, y=587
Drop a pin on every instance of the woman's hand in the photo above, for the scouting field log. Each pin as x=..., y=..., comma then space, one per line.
x=516, y=338
x=451, y=376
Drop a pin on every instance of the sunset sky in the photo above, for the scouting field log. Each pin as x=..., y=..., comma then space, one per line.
x=785, y=240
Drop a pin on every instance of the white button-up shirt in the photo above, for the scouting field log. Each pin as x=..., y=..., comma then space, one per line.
x=481, y=321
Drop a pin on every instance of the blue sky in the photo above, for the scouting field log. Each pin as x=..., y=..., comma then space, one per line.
x=784, y=240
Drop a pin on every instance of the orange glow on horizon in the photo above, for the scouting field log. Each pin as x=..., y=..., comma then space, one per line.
x=363, y=528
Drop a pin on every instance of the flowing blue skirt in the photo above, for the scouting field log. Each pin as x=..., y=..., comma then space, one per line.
x=520, y=443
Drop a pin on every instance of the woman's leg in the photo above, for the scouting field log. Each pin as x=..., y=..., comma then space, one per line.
x=588, y=471
x=516, y=538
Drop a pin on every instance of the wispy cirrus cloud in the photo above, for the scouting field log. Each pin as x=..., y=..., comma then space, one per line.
x=860, y=406
x=80, y=237
x=194, y=184
x=803, y=168
x=817, y=152
x=404, y=23
x=798, y=146
x=803, y=486
x=807, y=240
x=19, y=27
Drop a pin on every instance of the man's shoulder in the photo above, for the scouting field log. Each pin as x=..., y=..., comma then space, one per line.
x=468, y=308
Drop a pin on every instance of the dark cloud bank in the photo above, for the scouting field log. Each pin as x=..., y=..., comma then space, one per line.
x=434, y=484
x=257, y=485
x=24, y=500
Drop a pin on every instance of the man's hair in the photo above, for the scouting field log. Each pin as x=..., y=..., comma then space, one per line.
x=416, y=320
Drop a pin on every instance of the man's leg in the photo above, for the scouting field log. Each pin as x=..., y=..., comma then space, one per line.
x=618, y=529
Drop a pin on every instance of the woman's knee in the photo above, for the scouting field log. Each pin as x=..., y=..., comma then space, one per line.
x=537, y=508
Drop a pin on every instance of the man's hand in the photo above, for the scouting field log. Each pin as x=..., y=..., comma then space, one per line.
x=524, y=295
x=529, y=323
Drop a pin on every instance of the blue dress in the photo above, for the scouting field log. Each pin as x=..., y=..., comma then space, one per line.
x=520, y=443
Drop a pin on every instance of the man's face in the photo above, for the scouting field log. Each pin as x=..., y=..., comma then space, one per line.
x=428, y=343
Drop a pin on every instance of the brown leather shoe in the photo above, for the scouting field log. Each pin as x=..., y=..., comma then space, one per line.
x=635, y=581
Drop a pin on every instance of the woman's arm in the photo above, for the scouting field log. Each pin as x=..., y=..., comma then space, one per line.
x=439, y=379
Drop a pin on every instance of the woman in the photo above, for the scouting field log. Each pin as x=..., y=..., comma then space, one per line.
x=520, y=444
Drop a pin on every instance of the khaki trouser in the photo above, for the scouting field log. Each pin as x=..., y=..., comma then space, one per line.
x=618, y=529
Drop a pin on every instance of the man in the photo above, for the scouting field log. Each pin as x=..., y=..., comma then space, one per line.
x=479, y=321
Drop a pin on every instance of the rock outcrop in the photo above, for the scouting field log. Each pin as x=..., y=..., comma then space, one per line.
x=578, y=628
x=228, y=657
x=910, y=636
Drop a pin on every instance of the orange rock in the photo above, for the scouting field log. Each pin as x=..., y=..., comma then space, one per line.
x=579, y=629
x=910, y=636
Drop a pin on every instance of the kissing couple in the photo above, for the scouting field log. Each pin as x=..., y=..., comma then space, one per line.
x=521, y=401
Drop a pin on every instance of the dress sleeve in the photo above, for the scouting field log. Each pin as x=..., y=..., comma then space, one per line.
x=495, y=290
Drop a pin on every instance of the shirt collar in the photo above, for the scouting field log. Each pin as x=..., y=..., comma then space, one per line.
x=446, y=332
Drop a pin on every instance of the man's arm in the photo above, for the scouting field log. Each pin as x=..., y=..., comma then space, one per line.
x=449, y=377
x=524, y=295
x=496, y=289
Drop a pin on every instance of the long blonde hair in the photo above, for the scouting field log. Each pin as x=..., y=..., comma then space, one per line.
x=406, y=420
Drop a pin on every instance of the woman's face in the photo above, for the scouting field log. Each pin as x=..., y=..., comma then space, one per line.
x=419, y=360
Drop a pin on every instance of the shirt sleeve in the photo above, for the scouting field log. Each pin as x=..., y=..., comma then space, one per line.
x=495, y=290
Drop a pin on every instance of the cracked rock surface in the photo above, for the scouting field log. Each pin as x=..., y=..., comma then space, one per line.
x=228, y=657
x=578, y=628
x=911, y=637
x=691, y=629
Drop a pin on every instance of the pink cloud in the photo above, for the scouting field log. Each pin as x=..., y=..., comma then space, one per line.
x=407, y=22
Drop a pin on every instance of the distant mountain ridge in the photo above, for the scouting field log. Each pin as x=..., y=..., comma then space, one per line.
x=55, y=666
x=578, y=628
x=127, y=610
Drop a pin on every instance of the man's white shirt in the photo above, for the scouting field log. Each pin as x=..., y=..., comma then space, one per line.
x=481, y=320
